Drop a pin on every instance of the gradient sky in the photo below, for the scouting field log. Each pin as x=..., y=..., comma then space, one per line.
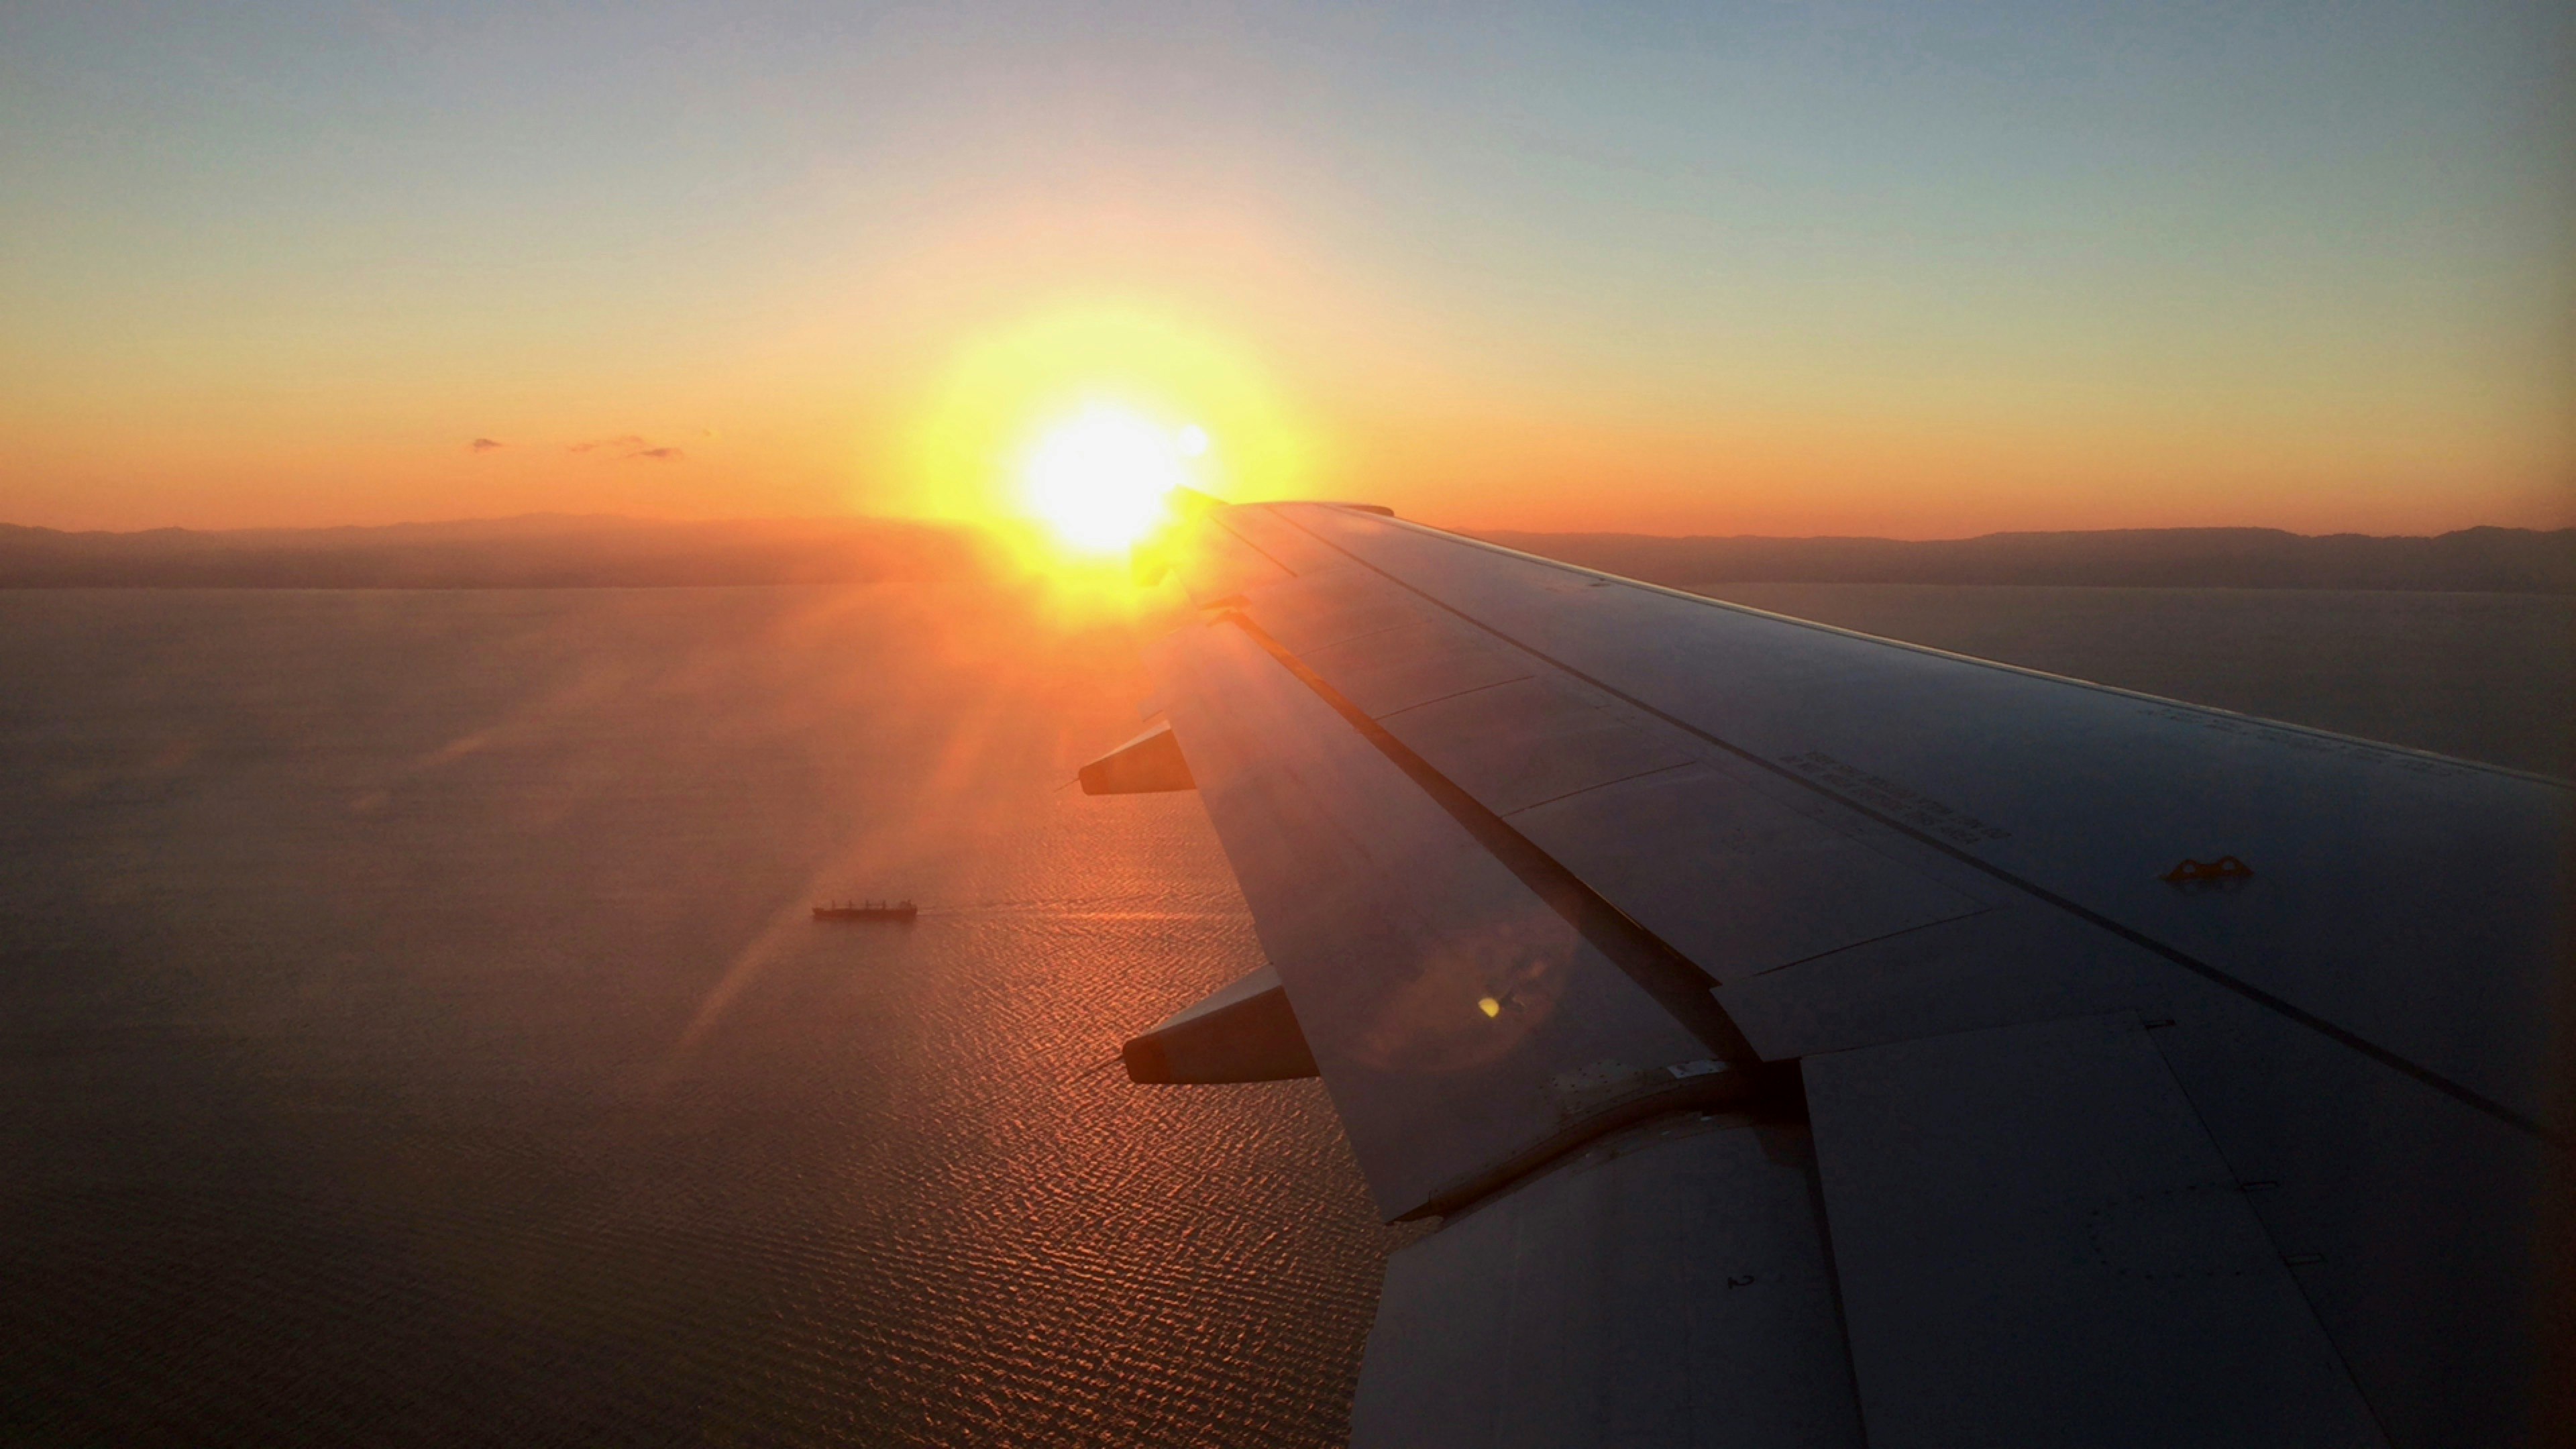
x=1766, y=268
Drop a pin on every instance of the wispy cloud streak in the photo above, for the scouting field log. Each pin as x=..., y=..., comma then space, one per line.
x=628, y=447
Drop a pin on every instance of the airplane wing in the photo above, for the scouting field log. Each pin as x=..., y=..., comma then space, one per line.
x=1807, y=1039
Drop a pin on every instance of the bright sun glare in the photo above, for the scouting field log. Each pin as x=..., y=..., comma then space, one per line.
x=1103, y=478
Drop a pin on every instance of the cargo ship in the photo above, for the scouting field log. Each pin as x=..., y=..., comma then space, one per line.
x=868, y=911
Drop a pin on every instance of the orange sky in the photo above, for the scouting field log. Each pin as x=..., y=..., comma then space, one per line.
x=1986, y=269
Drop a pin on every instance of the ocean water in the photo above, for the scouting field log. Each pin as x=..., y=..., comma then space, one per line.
x=412, y=1030
x=2489, y=677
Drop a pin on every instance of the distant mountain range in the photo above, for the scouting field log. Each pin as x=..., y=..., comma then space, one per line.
x=2502, y=560
x=540, y=551
x=567, y=551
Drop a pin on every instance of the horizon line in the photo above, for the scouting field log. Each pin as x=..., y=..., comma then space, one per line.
x=960, y=525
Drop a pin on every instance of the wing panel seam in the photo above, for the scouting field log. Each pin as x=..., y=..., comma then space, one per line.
x=1455, y=694
x=1604, y=785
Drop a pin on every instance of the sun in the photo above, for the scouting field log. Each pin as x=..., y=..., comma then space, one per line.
x=1102, y=479
x=1065, y=432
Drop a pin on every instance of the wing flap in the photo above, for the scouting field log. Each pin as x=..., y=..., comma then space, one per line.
x=1669, y=1289
x=2038, y=1244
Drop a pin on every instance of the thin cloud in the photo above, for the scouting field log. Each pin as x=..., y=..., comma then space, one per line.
x=485, y=445
x=628, y=447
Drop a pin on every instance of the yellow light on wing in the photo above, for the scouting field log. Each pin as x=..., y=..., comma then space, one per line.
x=1102, y=479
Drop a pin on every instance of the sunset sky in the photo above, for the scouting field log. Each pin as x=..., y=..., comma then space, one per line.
x=1917, y=271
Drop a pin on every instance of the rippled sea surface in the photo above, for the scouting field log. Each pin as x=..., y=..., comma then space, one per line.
x=412, y=1030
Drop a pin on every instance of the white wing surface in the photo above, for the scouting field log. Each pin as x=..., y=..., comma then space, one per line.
x=1808, y=1039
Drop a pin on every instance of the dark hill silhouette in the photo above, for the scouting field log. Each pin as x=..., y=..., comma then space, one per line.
x=2505, y=560
x=540, y=551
